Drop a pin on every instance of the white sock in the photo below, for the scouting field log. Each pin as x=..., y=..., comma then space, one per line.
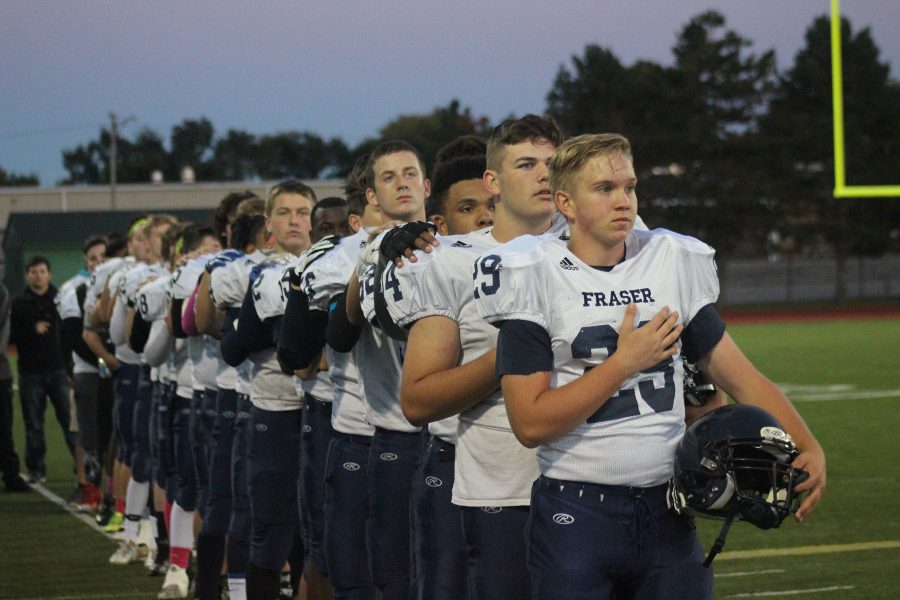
x=237, y=588
x=136, y=498
x=182, y=528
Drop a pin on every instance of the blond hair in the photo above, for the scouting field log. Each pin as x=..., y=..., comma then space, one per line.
x=289, y=186
x=572, y=155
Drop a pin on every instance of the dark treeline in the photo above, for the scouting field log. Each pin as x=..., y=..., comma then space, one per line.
x=720, y=130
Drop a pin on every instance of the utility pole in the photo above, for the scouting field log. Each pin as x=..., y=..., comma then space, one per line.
x=113, y=153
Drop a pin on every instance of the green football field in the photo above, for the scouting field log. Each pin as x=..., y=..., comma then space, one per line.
x=844, y=377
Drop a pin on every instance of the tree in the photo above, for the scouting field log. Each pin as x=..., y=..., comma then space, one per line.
x=14, y=179
x=191, y=145
x=427, y=132
x=800, y=161
x=233, y=156
x=691, y=125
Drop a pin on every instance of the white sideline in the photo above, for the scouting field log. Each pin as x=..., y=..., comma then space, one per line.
x=87, y=520
x=834, y=588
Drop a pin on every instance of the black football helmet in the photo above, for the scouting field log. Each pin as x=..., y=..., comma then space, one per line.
x=735, y=463
x=697, y=389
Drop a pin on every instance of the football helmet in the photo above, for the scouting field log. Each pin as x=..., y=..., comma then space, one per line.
x=734, y=463
x=697, y=389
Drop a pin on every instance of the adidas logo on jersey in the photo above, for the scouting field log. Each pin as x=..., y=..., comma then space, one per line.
x=460, y=244
x=567, y=264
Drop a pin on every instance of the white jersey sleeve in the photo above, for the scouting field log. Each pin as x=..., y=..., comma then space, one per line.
x=327, y=277
x=268, y=294
x=153, y=299
x=185, y=278
x=67, y=304
x=228, y=285
x=508, y=281
x=421, y=289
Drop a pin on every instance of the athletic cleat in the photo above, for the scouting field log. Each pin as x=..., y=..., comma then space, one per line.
x=150, y=560
x=115, y=523
x=176, y=585
x=90, y=499
x=125, y=554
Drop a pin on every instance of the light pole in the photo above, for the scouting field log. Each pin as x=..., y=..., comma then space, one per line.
x=113, y=152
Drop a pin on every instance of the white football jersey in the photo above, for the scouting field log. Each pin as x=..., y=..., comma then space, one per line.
x=153, y=299
x=227, y=287
x=492, y=467
x=228, y=284
x=379, y=356
x=270, y=388
x=323, y=280
x=631, y=440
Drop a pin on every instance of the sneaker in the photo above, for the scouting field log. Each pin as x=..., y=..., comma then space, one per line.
x=114, y=525
x=90, y=499
x=17, y=484
x=125, y=554
x=176, y=584
x=37, y=477
x=160, y=560
x=150, y=560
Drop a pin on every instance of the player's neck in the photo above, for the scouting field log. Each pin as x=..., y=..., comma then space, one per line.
x=595, y=253
x=508, y=227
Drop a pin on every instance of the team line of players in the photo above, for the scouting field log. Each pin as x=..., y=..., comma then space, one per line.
x=494, y=415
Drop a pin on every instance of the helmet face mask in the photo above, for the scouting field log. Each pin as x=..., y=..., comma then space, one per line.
x=735, y=462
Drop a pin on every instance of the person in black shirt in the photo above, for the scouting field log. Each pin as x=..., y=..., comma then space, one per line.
x=9, y=460
x=34, y=329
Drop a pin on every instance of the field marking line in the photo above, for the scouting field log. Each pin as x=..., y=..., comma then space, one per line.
x=84, y=518
x=807, y=550
x=746, y=573
x=833, y=588
x=861, y=395
x=789, y=388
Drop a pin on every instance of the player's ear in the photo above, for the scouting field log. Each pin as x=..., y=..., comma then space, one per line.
x=566, y=204
x=491, y=182
x=427, y=185
x=440, y=223
x=371, y=198
x=355, y=222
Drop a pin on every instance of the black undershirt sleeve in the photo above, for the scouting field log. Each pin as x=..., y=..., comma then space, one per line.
x=230, y=347
x=140, y=332
x=175, y=318
x=523, y=348
x=302, y=332
x=341, y=334
x=702, y=334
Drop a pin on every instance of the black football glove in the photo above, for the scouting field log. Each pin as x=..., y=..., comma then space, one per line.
x=400, y=239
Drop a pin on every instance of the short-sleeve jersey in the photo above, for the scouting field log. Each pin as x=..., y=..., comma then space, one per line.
x=153, y=299
x=492, y=467
x=227, y=287
x=379, y=356
x=631, y=439
x=228, y=284
x=270, y=389
x=68, y=308
x=322, y=281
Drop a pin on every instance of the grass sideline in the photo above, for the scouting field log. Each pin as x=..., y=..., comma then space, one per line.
x=45, y=553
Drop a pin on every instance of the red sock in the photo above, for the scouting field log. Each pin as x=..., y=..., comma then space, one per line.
x=167, y=515
x=120, y=506
x=180, y=557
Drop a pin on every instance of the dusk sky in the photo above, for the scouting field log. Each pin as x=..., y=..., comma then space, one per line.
x=341, y=68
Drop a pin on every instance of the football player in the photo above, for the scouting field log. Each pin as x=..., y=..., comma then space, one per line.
x=396, y=184
x=449, y=367
x=275, y=419
x=590, y=354
x=314, y=293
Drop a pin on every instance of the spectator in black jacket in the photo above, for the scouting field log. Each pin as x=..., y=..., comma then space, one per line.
x=35, y=331
x=9, y=460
